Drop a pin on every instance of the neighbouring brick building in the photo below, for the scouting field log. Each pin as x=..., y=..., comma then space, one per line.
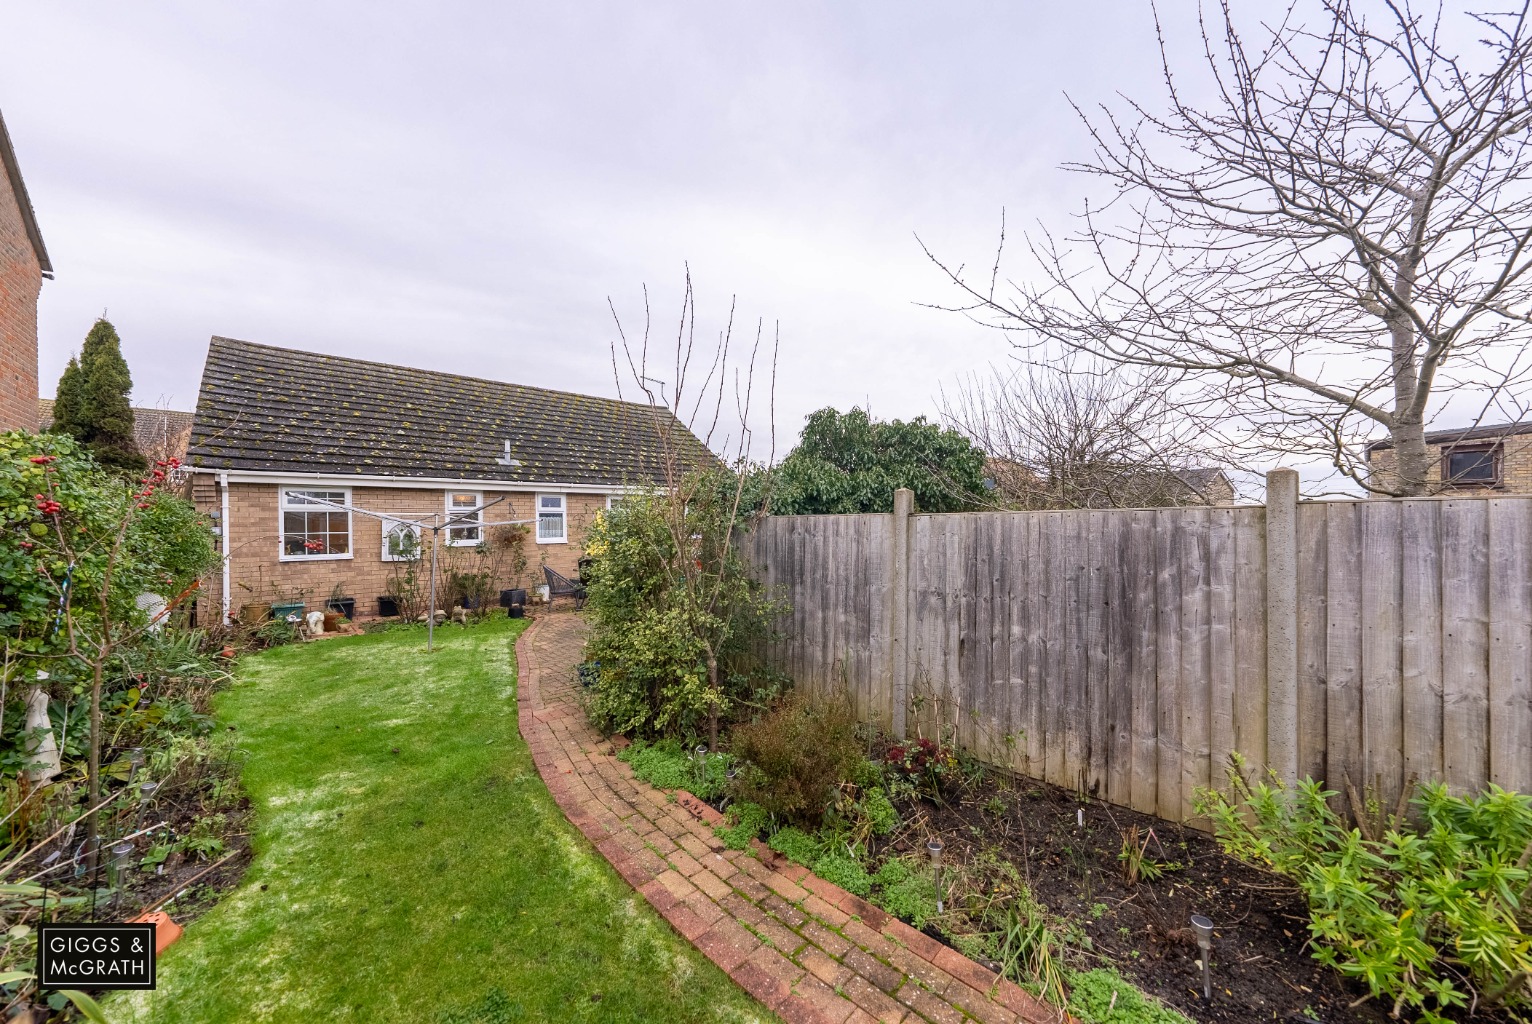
x=318, y=469
x=23, y=265
x=1477, y=459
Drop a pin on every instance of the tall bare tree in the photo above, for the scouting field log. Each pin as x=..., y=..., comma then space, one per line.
x=1076, y=433
x=1335, y=244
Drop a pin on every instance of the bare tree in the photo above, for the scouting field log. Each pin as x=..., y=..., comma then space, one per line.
x=1336, y=243
x=1076, y=433
x=703, y=485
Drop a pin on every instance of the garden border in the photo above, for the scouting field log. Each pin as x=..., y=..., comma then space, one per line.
x=807, y=949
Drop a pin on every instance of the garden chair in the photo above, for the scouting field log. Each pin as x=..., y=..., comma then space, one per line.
x=560, y=585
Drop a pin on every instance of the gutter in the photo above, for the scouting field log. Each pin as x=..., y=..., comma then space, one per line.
x=256, y=476
x=223, y=493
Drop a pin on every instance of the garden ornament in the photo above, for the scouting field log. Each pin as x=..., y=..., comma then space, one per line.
x=41, y=746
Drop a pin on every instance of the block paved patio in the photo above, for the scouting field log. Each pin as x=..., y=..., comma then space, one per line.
x=807, y=949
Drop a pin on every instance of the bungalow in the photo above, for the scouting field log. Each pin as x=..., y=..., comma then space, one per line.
x=320, y=469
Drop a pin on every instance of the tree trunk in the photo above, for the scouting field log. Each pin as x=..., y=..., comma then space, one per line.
x=1411, y=459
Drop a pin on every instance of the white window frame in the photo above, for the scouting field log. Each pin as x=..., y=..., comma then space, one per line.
x=474, y=524
x=391, y=525
x=283, y=508
x=563, y=514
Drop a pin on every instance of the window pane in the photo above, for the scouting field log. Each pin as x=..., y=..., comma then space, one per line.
x=1471, y=467
x=552, y=502
x=550, y=527
x=465, y=501
x=311, y=533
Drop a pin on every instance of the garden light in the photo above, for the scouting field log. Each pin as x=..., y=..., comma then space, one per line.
x=934, y=847
x=118, y=865
x=1203, y=926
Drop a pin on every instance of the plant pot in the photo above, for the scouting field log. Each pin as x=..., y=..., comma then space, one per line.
x=342, y=606
x=512, y=598
x=255, y=613
x=516, y=611
x=282, y=611
x=332, y=621
x=388, y=607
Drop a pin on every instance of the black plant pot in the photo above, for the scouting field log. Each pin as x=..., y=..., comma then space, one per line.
x=512, y=598
x=388, y=607
x=516, y=611
x=344, y=605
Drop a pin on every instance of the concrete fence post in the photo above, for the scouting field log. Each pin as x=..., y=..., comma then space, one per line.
x=899, y=628
x=1282, y=623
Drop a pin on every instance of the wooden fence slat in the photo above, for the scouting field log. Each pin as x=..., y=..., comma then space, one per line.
x=1343, y=651
x=1313, y=637
x=1122, y=645
x=1250, y=634
x=1465, y=645
x=1382, y=700
x=1168, y=661
x=1420, y=654
x=1222, y=664
x=1096, y=698
x=1144, y=795
x=1196, y=655
x=1510, y=651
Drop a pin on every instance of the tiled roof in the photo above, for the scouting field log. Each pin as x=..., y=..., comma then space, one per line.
x=271, y=409
x=1463, y=434
x=158, y=432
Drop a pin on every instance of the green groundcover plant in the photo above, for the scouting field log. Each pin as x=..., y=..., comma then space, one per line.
x=1431, y=915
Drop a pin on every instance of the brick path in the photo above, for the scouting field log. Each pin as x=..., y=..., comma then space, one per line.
x=807, y=949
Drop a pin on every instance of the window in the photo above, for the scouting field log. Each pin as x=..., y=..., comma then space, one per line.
x=1473, y=466
x=401, y=541
x=464, y=507
x=551, y=526
x=312, y=527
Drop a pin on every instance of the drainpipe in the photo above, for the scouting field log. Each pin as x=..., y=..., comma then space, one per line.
x=223, y=490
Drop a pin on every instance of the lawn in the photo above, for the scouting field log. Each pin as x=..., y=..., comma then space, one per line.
x=411, y=866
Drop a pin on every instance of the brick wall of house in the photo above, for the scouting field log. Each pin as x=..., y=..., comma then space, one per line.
x=258, y=572
x=21, y=280
x=1515, y=466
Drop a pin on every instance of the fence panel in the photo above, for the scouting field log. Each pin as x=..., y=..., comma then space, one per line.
x=1126, y=652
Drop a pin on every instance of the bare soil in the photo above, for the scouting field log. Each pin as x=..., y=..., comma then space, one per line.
x=1067, y=849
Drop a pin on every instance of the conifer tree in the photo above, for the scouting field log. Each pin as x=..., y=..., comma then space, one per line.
x=93, y=405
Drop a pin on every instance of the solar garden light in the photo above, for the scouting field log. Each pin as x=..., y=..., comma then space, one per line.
x=1203, y=926
x=145, y=794
x=934, y=847
x=118, y=865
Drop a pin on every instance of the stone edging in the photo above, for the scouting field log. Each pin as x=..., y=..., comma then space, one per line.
x=807, y=949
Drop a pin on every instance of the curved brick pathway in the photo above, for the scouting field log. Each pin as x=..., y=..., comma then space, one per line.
x=806, y=948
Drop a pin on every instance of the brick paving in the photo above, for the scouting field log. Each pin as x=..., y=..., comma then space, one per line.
x=807, y=949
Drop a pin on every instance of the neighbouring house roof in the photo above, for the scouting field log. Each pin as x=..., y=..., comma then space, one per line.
x=278, y=410
x=159, y=433
x=19, y=190
x=1462, y=435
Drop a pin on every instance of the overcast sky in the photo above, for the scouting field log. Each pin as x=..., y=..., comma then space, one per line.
x=461, y=186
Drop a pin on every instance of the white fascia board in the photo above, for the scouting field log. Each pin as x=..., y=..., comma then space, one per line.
x=415, y=482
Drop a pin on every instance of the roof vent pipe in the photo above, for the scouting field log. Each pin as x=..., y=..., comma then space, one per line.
x=506, y=460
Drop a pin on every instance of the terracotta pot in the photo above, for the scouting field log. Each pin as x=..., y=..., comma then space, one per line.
x=255, y=613
x=166, y=931
x=332, y=621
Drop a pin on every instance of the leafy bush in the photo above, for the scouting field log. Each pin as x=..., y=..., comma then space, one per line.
x=844, y=872
x=668, y=765
x=880, y=812
x=795, y=756
x=796, y=845
x=748, y=821
x=924, y=764
x=906, y=893
x=674, y=612
x=1103, y=996
x=1431, y=917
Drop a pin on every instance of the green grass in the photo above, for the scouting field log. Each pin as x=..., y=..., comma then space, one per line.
x=411, y=866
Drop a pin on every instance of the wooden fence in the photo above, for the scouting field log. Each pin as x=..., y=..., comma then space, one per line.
x=1129, y=653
